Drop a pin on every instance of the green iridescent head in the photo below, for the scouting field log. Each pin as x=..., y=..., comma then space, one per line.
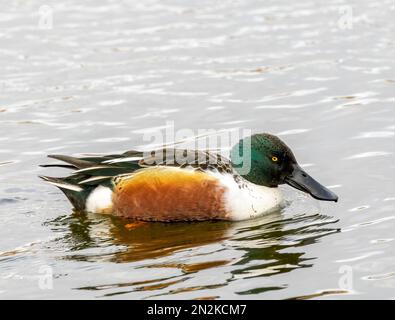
x=265, y=160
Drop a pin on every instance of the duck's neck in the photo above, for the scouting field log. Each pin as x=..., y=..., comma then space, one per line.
x=247, y=200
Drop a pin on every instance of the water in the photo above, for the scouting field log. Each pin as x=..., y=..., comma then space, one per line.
x=106, y=74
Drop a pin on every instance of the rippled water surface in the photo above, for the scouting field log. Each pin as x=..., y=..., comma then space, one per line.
x=107, y=73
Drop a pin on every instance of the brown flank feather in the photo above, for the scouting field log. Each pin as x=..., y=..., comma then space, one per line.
x=169, y=194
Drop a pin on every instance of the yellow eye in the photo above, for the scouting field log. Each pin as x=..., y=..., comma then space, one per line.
x=274, y=159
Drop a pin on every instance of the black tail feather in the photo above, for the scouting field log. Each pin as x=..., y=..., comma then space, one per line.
x=76, y=194
x=76, y=162
x=90, y=172
x=67, y=166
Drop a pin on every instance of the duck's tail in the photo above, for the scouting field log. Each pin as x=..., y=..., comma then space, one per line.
x=89, y=173
x=76, y=194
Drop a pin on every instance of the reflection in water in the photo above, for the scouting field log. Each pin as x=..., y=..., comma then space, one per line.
x=255, y=248
x=321, y=294
x=267, y=241
x=153, y=240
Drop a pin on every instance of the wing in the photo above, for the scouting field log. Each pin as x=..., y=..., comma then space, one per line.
x=94, y=170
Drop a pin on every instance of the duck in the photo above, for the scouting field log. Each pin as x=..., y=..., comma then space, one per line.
x=175, y=184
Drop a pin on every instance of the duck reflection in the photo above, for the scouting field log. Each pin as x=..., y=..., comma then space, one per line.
x=262, y=247
x=155, y=240
x=261, y=241
x=264, y=244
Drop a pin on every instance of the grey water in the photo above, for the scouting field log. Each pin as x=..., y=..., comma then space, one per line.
x=95, y=77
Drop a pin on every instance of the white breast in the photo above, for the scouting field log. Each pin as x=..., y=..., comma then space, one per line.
x=249, y=200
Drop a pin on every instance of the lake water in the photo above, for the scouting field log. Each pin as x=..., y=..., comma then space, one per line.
x=103, y=75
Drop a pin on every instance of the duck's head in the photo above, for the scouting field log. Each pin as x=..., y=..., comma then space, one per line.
x=265, y=160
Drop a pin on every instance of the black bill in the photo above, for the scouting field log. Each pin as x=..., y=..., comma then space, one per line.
x=299, y=179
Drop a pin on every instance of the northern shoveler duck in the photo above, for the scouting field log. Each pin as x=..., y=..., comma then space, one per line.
x=187, y=185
